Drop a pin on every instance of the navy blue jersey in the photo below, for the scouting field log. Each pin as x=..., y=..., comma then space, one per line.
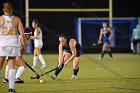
x=77, y=46
x=105, y=35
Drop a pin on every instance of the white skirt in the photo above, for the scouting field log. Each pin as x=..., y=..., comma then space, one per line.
x=9, y=51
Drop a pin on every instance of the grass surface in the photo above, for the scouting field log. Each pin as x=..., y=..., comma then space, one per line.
x=120, y=75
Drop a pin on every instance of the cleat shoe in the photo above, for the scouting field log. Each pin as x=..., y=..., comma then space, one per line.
x=12, y=91
x=73, y=77
x=18, y=80
x=43, y=66
x=53, y=76
x=5, y=80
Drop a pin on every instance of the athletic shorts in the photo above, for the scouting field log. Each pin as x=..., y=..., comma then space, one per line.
x=6, y=51
x=40, y=45
x=79, y=52
x=136, y=41
x=106, y=41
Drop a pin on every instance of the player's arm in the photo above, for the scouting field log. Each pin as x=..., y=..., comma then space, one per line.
x=21, y=31
x=72, y=44
x=110, y=36
x=100, y=37
x=22, y=48
x=1, y=21
x=36, y=33
x=61, y=59
x=26, y=42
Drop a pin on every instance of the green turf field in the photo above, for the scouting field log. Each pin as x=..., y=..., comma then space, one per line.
x=120, y=75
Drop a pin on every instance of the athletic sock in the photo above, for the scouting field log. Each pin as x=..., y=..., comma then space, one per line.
x=102, y=53
x=6, y=71
x=35, y=61
x=41, y=58
x=75, y=71
x=57, y=71
x=12, y=78
x=20, y=71
x=110, y=53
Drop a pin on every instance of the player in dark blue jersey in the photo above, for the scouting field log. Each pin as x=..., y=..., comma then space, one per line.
x=68, y=50
x=104, y=38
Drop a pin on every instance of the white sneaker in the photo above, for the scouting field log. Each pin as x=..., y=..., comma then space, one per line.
x=73, y=77
x=43, y=66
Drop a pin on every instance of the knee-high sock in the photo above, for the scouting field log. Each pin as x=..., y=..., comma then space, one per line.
x=12, y=78
x=20, y=70
x=35, y=61
x=102, y=53
x=57, y=71
x=110, y=53
x=41, y=58
x=6, y=71
x=75, y=71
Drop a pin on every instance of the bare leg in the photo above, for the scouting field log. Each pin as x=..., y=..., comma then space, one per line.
x=76, y=62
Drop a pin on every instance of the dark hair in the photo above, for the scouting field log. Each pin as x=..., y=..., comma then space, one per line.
x=27, y=30
x=62, y=35
x=35, y=21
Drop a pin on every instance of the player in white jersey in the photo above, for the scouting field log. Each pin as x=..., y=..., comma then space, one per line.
x=19, y=61
x=10, y=26
x=38, y=44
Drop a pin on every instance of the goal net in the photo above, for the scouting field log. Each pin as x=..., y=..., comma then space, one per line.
x=88, y=29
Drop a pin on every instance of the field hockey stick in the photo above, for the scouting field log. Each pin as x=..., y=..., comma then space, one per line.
x=37, y=75
x=48, y=71
x=44, y=73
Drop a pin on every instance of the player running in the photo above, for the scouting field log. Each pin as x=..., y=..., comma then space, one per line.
x=104, y=38
x=38, y=44
x=68, y=50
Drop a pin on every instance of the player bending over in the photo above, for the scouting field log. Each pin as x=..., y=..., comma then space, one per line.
x=68, y=50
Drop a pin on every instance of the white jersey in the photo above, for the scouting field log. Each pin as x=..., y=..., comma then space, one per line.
x=9, y=33
x=38, y=41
